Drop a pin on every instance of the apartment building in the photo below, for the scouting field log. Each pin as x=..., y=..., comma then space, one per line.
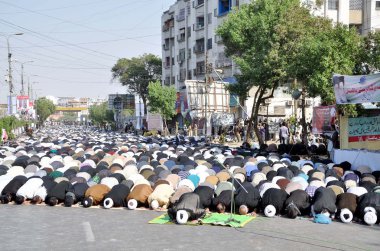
x=189, y=41
x=190, y=45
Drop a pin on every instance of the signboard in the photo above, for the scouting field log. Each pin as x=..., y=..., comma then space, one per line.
x=127, y=101
x=323, y=119
x=357, y=89
x=274, y=127
x=222, y=119
x=364, y=129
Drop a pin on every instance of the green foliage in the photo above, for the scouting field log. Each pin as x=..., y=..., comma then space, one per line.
x=262, y=37
x=44, y=108
x=100, y=115
x=369, y=62
x=327, y=50
x=136, y=73
x=9, y=123
x=162, y=100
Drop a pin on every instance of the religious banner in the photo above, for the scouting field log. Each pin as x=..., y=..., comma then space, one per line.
x=364, y=129
x=323, y=119
x=357, y=89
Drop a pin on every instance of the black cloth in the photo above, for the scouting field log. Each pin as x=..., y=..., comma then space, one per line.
x=206, y=195
x=223, y=198
x=119, y=194
x=301, y=200
x=324, y=199
x=79, y=189
x=190, y=202
x=275, y=197
x=369, y=200
x=59, y=191
x=118, y=176
x=14, y=185
x=49, y=183
x=251, y=198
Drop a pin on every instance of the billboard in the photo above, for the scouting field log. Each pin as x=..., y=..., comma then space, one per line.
x=356, y=89
x=127, y=101
x=323, y=119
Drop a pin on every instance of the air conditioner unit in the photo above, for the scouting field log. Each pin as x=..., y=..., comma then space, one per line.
x=289, y=103
x=268, y=101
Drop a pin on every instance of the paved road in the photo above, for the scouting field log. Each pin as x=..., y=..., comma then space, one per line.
x=60, y=228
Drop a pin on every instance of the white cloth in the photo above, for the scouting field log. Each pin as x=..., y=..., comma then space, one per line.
x=29, y=188
x=358, y=158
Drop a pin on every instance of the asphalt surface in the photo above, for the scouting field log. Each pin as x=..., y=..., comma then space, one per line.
x=31, y=227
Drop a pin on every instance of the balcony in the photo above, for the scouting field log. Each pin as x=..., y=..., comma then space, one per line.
x=198, y=27
x=198, y=3
x=181, y=37
x=198, y=49
x=223, y=63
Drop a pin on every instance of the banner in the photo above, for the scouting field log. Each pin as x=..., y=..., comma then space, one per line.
x=363, y=129
x=323, y=119
x=222, y=119
x=357, y=89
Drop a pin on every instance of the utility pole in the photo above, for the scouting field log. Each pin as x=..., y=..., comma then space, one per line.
x=205, y=20
x=10, y=72
x=22, y=92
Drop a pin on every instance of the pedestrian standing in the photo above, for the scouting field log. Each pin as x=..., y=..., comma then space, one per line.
x=284, y=134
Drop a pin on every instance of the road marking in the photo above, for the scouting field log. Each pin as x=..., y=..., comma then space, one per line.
x=88, y=230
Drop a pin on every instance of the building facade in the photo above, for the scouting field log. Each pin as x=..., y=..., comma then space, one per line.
x=191, y=50
x=189, y=42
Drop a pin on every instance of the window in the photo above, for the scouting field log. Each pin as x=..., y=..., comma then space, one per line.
x=181, y=15
x=181, y=35
x=197, y=3
x=189, y=31
x=356, y=4
x=200, y=23
x=377, y=5
x=182, y=74
x=333, y=4
x=199, y=46
x=181, y=55
x=200, y=67
x=224, y=6
x=209, y=18
x=167, y=62
x=209, y=44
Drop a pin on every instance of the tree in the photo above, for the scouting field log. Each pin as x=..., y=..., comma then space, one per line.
x=162, y=101
x=100, y=115
x=274, y=41
x=325, y=49
x=136, y=73
x=44, y=108
x=260, y=41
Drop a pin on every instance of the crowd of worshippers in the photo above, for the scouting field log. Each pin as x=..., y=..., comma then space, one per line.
x=73, y=166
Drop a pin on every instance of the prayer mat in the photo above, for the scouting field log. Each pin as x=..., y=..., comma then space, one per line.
x=211, y=219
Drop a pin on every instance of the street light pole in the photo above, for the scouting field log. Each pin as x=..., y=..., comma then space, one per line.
x=10, y=72
x=22, y=75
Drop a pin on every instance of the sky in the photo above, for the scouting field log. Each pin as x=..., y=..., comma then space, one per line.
x=74, y=43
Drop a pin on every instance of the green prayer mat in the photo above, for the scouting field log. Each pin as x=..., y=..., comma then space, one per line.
x=212, y=219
